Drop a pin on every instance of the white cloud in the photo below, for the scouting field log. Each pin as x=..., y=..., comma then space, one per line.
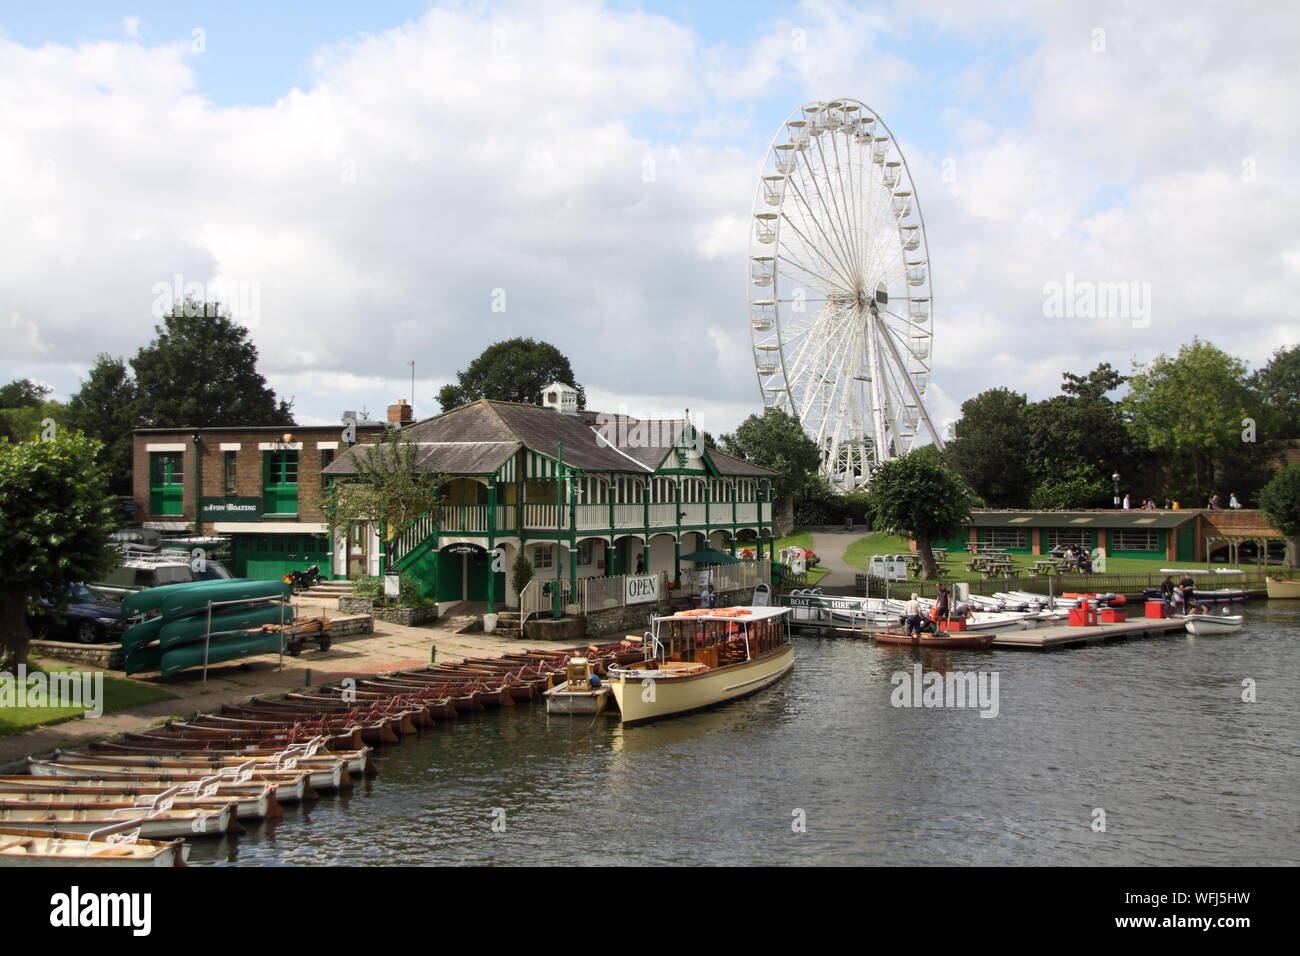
x=474, y=149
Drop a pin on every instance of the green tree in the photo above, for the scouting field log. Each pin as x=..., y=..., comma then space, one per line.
x=776, y=440
x=31, y=422
x=521, y=573
x=918, y=496
x=1280, y=502
x=105, y=408
x=515, y=370
x=387, y=487
x=1190, y=411
x=55, y=519
x=1078, y=487
x=201, y=370
x=1277, y=389
x=23, y=393
x=990, y=448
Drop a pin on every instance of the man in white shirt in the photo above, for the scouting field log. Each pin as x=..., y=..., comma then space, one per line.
x=912, y=614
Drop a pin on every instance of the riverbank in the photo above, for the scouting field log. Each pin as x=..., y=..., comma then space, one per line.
x=388, y=647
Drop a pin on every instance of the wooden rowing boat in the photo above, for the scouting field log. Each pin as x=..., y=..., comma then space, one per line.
x=28, y=847
x=153, y=823
x=963, y=640
x=293, y=786
x=252, y=801
x=330, y=773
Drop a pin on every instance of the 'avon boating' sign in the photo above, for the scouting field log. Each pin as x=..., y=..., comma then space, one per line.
x=641, y=589
x=230, y=508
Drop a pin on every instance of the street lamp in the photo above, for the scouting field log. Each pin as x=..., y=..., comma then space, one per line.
x=1115, y=480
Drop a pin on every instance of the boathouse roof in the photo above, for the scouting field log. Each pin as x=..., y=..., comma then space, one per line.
x=1134, y=518
x=478, y=438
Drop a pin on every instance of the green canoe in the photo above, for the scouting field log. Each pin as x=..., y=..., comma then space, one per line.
x=143, y=659
x=150, y=599
x=237, y=618
x=139, y=635
x=223, y=647
x=187, y=602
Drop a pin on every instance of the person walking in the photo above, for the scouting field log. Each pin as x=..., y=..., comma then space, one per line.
x=1233, y=502
x=1128, y=504
x=1214, y=503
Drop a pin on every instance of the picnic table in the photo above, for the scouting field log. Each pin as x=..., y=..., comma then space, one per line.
x=1045, y=566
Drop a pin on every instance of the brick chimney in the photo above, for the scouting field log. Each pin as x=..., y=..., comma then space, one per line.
x=401, y=413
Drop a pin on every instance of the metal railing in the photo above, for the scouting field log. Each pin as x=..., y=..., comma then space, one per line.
x=1055, y=584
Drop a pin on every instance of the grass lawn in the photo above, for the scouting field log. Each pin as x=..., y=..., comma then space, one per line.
x=117, y=695
x=860, y=551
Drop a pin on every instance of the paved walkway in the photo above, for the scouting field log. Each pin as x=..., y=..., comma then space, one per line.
x=390, y=647
x=830, y=547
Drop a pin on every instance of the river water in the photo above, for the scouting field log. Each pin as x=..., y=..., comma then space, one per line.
x=823, y=769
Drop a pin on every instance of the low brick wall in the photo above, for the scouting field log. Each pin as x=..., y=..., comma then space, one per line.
x=633, y=618
x=107, y=656
x=408, y=616
x=356, y=624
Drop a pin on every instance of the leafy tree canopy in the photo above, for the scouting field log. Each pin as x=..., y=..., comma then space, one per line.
x=991, y=447
x=515, y=370
x=201, y=370
x=54, y=527
x=106, y=409
x=1189, y=410
x=918, y=496
x=388, y=487
x=776, y=440
x=23, y=393
x=1277, y=387
x=1280, y=500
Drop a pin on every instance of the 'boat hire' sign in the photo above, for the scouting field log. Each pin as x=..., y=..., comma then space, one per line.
x=641, y=589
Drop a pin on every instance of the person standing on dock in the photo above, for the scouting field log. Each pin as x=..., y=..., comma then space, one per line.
x=912, y=615
x=1167, y=592
x=1187, y=587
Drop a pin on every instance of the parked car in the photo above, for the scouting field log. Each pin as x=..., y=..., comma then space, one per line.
x=90, y=617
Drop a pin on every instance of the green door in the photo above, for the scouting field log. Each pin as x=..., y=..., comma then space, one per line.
x=451, y=581
x=280, y=482
x=166, y=483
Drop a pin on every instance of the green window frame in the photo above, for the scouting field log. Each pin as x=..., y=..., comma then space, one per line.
x=280, y=482
x=166, y=483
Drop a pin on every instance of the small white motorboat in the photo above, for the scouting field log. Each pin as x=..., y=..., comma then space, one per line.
x=1204, y=624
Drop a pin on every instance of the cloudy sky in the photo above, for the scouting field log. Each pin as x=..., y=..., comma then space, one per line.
x=364, y=178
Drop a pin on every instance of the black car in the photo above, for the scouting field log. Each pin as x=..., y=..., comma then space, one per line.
x=89, y=617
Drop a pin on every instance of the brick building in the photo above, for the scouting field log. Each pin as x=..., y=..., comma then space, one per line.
x=260, y=486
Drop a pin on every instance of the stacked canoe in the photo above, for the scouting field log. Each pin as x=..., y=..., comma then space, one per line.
x=200, y=621
x=202, y=775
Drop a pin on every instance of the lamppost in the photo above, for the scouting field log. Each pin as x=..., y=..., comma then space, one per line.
x=1115, y=480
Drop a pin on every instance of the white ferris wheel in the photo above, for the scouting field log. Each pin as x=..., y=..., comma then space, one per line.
x=839, y=289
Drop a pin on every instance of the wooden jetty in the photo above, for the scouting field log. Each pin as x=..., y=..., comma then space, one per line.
x=1059, y=636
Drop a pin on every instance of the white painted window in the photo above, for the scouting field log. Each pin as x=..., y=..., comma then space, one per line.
x=543, y=557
